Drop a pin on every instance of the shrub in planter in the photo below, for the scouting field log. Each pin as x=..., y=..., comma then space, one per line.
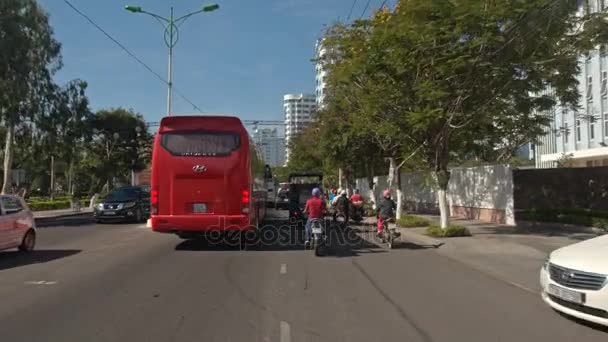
x=412, y=221
x=451, y=231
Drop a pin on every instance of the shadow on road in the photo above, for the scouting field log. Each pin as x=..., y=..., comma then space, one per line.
x=65, y=221
x=279, y=235
x=585, y=323
x=529, y=228
x=11, y=259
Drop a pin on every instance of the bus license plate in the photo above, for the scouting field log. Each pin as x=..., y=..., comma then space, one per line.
x=317, y=230
x=199, y=208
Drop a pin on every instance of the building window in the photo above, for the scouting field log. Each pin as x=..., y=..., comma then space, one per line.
x=592, y=130
x=566, y=132
x=589, y=87
x=578, y=130
x=606, y=125
x=604, y=83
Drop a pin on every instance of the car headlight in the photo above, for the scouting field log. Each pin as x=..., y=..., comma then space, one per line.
x=100, y=206
x=129, y=205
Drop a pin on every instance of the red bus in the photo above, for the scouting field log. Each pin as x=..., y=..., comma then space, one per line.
x=207, y=175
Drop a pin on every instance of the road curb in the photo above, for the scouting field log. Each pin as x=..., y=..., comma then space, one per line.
x=64, y=219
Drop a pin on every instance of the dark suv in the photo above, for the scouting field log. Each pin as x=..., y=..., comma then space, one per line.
x=129, y=203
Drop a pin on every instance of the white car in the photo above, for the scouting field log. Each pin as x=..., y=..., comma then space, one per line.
x=574, y=280
x=17, y=225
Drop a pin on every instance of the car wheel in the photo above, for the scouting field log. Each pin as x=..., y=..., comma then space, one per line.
x=29, y=241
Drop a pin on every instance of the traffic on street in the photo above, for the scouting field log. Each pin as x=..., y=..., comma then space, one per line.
x=304, y=170
x=119, y=282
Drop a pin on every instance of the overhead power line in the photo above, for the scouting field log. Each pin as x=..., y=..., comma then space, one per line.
x=351, y=10
x=131, y=54
x=365, y=9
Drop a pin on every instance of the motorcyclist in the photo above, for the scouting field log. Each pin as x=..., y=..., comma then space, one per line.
x=386, y=211
x=315, y=208
x=342, y=204
x=356, y=201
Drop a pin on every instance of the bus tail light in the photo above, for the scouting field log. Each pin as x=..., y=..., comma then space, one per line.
x=154, y=202
x=245, y=201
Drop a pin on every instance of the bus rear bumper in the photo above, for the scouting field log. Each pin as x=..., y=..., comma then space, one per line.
x=198, y=223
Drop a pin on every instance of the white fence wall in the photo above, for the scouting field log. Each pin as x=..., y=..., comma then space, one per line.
x=484, y=192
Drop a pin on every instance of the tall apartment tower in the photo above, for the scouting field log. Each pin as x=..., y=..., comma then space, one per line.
x=299, y=114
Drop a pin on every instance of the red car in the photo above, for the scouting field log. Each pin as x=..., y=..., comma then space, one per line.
x=17, y=226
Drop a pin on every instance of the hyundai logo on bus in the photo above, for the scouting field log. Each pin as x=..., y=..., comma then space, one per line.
x=199, y=168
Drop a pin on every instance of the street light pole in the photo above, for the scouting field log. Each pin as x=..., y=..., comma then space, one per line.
x=171, y=36
x=170, y=44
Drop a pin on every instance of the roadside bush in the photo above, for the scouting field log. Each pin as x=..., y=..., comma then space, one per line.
x=452, y=231
x=49, y=205
x=412, y=221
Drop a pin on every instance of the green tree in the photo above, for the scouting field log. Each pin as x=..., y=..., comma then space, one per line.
x=120, y=145
x=304, y=154
x=448, y=75
x=29, y=55
x=64, y=129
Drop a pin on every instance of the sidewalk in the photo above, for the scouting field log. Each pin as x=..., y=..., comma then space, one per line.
x=512, y=254
x=59, y=213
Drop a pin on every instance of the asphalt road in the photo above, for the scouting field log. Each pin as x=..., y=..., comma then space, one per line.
x=126, y=283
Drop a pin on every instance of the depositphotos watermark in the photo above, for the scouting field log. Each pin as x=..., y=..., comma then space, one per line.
x=278, y=235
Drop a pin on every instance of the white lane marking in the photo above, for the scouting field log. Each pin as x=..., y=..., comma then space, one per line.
x=285, y=332
x=40, y=282
x=283, y=268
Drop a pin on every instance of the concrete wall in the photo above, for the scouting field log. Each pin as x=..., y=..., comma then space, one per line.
x=483, y=193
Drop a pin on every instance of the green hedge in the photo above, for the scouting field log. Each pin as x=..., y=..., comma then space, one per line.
x=49, y=205
x=85, y=199
x=582, y=217
x=412, y=221
x=451, y=231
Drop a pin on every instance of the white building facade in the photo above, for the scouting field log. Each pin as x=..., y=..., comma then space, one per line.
x=271, y=145
x=299, y=114
x=321, y=73
x=581, y=137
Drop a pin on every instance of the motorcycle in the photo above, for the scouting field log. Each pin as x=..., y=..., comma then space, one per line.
x=296, y=216
x=340, y=218
x=319, y=238
x=357, y=212
x=389, y=234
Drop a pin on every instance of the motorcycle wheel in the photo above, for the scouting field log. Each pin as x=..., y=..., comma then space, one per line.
x=320, y=250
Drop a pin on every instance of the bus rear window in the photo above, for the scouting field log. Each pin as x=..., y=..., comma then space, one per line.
x=200, y=144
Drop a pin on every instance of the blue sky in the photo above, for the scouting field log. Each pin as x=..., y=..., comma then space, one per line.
x=238, y=60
